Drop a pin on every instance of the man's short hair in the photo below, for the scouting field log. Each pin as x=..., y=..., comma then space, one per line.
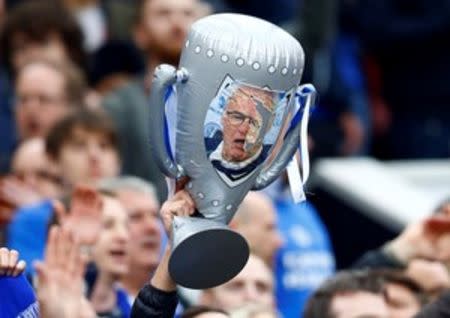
x=37, y=20
x=75, y=86
x=319, y=304
x=131, y=183
x=88, y=120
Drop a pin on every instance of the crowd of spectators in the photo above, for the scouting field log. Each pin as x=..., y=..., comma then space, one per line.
x=85, y=216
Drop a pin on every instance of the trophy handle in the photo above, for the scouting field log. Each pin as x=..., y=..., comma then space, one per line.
x=163, y=78
x=305, y=95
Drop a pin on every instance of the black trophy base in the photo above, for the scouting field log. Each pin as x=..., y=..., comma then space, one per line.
x=208, y=258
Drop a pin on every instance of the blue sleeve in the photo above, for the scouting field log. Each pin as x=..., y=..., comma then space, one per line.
x=17, y=298
x=27, y=232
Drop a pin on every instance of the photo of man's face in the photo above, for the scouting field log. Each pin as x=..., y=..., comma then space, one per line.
x=239, y=129
x=241, y=123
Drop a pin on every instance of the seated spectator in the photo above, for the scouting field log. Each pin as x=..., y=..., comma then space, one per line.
x=46, y=92
x=84, y=148
x=254, y=284
x=256, y=220
x=349, y=294
x=140, y=200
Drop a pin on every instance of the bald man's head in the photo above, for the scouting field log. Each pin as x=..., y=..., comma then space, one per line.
x=256, y=220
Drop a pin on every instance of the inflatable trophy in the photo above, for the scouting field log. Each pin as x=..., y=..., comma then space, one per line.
x=239, y=116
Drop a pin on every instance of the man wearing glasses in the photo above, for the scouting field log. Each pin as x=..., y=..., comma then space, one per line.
x=247, y=117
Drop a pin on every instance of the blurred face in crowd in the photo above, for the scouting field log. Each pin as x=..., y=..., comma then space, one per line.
x=110, y=250
x=39, y=173
x=401, y=301
x=40, y=100
x=87, y=157
x=260, y=227
x=254, y=284
x=24, y=49
x=359, y=304
x=145, y=230
x=163, y=27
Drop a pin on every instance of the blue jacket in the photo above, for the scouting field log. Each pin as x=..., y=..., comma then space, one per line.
x=305, y=260
x=27, y=232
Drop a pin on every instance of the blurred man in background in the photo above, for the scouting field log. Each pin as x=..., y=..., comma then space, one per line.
x=140, y=200
x=46, y=92
x=256, y=220
x=161, y=27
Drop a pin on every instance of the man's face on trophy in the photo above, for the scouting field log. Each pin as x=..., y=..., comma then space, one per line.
x=242, y=123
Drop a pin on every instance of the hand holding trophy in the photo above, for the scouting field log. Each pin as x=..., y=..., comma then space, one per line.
x=239, y=115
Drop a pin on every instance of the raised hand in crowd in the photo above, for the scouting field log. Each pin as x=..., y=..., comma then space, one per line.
x=181, y=204
x=84, y=217
x=60, y=278
x=428, y=239
x=10, y=265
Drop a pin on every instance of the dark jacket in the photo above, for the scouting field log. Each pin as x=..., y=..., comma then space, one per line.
x=152, y=302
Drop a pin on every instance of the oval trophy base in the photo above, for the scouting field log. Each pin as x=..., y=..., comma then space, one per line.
x=208, y=258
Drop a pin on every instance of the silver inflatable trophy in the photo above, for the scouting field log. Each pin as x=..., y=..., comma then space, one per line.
x=239, y=110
